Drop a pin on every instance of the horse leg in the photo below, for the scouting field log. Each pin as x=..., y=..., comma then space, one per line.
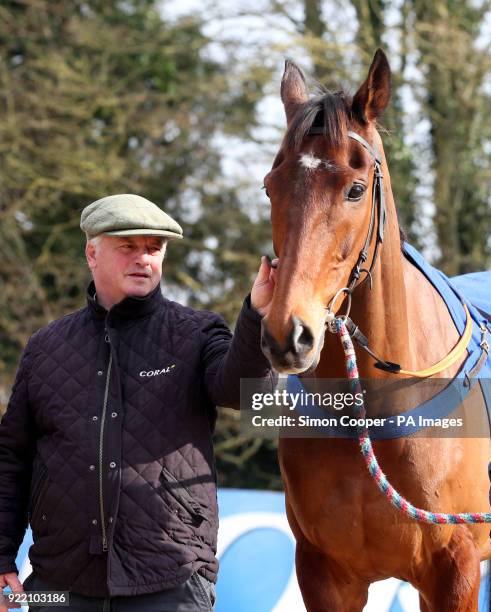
x=454, y=585
x=324, y=586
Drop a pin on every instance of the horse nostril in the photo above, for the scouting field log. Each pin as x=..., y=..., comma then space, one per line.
x=299, y=343
x=302, y=338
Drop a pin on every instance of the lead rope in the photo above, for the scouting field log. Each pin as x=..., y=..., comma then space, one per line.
x=394, y=497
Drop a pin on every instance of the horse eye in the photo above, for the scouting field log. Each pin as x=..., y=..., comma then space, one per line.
x=356, y=192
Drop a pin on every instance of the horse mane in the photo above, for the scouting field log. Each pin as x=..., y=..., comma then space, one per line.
x=328, y=110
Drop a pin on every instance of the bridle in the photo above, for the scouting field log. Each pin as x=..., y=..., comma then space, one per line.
x=378, y=215
x=378, y=212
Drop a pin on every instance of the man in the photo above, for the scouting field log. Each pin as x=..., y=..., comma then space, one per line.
x=106, y=445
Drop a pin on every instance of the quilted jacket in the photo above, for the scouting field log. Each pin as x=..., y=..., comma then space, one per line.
x=106, y=444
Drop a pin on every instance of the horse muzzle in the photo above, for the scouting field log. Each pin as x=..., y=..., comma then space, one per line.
x=298, y=354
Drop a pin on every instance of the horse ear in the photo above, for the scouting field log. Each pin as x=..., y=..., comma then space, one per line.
x=372, y=98
x=293, y=89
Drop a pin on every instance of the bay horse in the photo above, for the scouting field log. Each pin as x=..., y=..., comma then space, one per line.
x=321, y=187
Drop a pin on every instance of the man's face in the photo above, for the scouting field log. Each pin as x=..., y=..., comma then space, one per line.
x=125, y=266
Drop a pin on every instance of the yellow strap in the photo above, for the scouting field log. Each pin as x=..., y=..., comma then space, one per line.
x=457, y=351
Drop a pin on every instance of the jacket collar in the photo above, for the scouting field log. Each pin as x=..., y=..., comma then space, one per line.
x=129, y=308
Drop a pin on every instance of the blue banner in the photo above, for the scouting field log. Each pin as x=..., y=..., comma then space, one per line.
x=256, y=550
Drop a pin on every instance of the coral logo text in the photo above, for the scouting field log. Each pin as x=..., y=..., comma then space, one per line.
x=157, y=372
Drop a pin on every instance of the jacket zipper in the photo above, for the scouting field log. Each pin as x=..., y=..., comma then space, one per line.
x=101, y=448
x=183, y=498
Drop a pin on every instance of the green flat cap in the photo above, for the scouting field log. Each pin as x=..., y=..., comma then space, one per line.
x=126, y=214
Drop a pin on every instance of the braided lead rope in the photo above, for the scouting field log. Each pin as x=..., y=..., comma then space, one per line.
x=395, y=498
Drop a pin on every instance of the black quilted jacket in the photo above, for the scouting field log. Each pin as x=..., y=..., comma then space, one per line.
x=106, y=445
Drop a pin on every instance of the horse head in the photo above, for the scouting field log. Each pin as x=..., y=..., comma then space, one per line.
x=321, y=189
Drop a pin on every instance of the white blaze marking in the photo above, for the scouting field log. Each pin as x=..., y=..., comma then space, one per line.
x=307, y=160
x=310, y=162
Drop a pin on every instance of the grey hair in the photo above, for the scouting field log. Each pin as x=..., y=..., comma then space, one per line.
x=95, y=240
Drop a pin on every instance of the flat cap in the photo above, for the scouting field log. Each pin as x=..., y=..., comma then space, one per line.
x=127, y=214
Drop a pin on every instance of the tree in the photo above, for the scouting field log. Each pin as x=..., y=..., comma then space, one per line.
x=456, y=103
x=100, y=98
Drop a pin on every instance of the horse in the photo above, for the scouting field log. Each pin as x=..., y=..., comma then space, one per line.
x=336, y=244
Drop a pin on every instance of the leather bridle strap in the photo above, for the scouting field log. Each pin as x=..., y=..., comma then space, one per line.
x=378, y=212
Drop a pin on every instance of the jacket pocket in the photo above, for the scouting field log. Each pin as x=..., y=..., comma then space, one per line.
x=38, y=489
x=182, y=497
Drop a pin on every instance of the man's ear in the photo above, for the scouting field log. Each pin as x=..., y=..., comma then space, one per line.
x=90, y=254
x=293, y=90
x=372, y=98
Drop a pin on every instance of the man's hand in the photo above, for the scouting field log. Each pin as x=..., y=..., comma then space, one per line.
x=262, y=290
x=13, y=582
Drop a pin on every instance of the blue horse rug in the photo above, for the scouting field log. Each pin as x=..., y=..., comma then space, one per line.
x=476, y=286
x=474, y=290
